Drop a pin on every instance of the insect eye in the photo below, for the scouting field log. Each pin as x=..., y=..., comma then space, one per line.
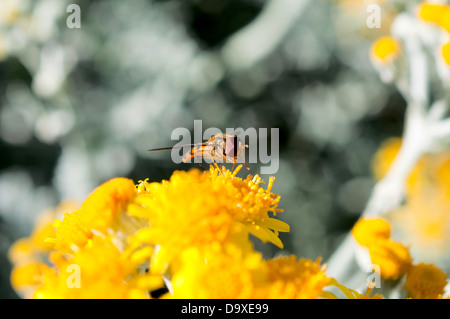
x=232, y=146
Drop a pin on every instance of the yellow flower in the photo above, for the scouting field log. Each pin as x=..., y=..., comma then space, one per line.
x=419, y=178
x=196, y=208
x=103, y=211
x=446, y=52
x=106, y=204
x=26, y=277
x=367, y=295
x=424, y=223
x=219, y=272
x=44, y=225
x=31, y=248
x=425, y=281
x=348, y=292
x=385, y=156
x=441, y=175
x=227, y=271
x=385, y=49
x=71, y=233
x=444, y=22
x=430, y=12
x=367, y=230
x=392, y=257
x=93, y=238
x=292, y=278
x=28, y=255
x=21, y=251
x=98, y=270
x=436, y=13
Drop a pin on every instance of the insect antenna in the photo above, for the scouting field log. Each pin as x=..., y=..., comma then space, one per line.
x=169, y=148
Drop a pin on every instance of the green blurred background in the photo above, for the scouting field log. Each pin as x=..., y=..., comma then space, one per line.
x=80, y=106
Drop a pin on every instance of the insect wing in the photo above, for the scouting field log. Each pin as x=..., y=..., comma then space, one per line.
x=205, y=151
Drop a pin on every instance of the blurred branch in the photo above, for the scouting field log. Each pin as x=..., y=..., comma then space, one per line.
x=419, y=90
x=441, y=130
x=438, y=109
x=257, y=40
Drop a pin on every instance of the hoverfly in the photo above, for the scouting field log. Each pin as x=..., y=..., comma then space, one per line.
x=220, y=147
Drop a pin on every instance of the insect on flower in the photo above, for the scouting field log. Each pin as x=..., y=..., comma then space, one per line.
x=219, y=148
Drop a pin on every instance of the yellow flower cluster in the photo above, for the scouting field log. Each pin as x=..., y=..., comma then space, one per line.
x=28, y=254
x=99, y=270
x=386, y=49
x=292, y=279
x=423, y=221
x=219, y=208
x=425, y=281
x=422, y=280
x=392, y=257
x=200, y=224
x=87, y=251
x=189, y=234
x=438, y=14
x=229, y=272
